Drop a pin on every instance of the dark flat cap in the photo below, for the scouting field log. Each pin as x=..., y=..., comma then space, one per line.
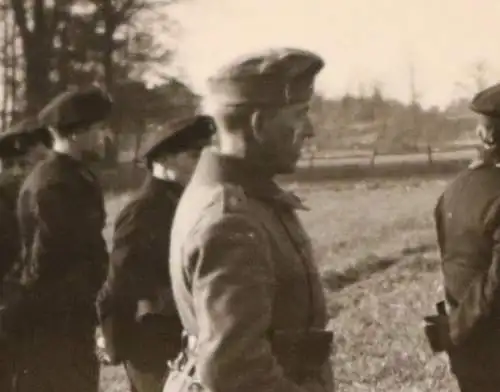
x=22, y=136
x=177, y=136
x=487, y=102
x=76, y=108
x=278, y=76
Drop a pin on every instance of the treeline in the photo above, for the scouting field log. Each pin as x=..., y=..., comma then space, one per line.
x=50, y=45
x=385, y=125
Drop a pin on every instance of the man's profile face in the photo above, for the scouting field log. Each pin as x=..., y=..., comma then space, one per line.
x=88, y=142
x=35, y=154
x=285, y=132
x=184, y=163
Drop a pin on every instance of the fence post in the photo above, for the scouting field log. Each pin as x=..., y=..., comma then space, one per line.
x=429, y=154
x=372, y=158
x=311, y=159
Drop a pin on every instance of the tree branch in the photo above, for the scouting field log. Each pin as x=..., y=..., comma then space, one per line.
x=124, y=13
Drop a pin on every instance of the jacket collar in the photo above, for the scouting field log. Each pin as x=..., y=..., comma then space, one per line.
x=157, y=185
x=215, y=168
x=79, y=166
x=487, y=158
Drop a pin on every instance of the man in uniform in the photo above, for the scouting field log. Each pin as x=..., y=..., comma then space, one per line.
x=137, y=313
x=14, y=144
x=243, y=276
x=467, y=218
x=61, y=216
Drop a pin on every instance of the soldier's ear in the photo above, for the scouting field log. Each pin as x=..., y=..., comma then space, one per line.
x=258, y=123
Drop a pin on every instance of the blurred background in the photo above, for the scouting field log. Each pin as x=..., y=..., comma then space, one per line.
x=398, y=78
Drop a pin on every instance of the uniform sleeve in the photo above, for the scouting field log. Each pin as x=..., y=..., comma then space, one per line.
x=482, y=298
x=68, y=229
x=115, y=303
x=65, y=260
x=127, y=279
x=9, y=239
x=438, y=220
x=233, y=290
x=54, y=232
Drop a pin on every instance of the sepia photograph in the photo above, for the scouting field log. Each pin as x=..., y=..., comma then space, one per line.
x=249, y=196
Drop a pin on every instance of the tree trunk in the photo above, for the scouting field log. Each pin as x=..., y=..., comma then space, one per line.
x=38, y=85
x=37, y=44
x=15, y=77
x=429, y=154
x=64, y=60
x=109, y=80
x=5, y=67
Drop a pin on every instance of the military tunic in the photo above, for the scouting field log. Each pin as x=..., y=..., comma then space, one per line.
x=468, y=228
x=61, y=216
x=10, y=183
x=243, y=274
x=138, y=287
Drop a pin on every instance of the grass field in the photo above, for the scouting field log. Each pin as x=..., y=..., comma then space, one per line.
x=375, y=246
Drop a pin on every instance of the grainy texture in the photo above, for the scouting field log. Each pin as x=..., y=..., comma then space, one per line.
x=375, y=245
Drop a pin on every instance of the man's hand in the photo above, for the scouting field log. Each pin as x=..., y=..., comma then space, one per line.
x=101, y=352
x=437, y=330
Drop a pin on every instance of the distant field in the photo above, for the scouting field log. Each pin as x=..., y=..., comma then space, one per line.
x=375, y=247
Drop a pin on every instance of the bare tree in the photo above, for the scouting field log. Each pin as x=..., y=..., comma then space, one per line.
x=37, y=26
x=417, y=126
x=380, y=115
x=5, y=65
x=63, y=45
x=479, y=75
x=118, y=16
x=9, y=61
x=476, y=79
x=75, y=42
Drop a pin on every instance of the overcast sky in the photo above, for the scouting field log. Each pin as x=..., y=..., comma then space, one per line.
x=362, y=41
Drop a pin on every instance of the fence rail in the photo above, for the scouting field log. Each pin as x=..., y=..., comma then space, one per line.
x=367, y=157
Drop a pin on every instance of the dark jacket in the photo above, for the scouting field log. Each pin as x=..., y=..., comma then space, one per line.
x=10, y=182
x=467, y=218
x=138, y=284
x=9, y=255
x=61, y=217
